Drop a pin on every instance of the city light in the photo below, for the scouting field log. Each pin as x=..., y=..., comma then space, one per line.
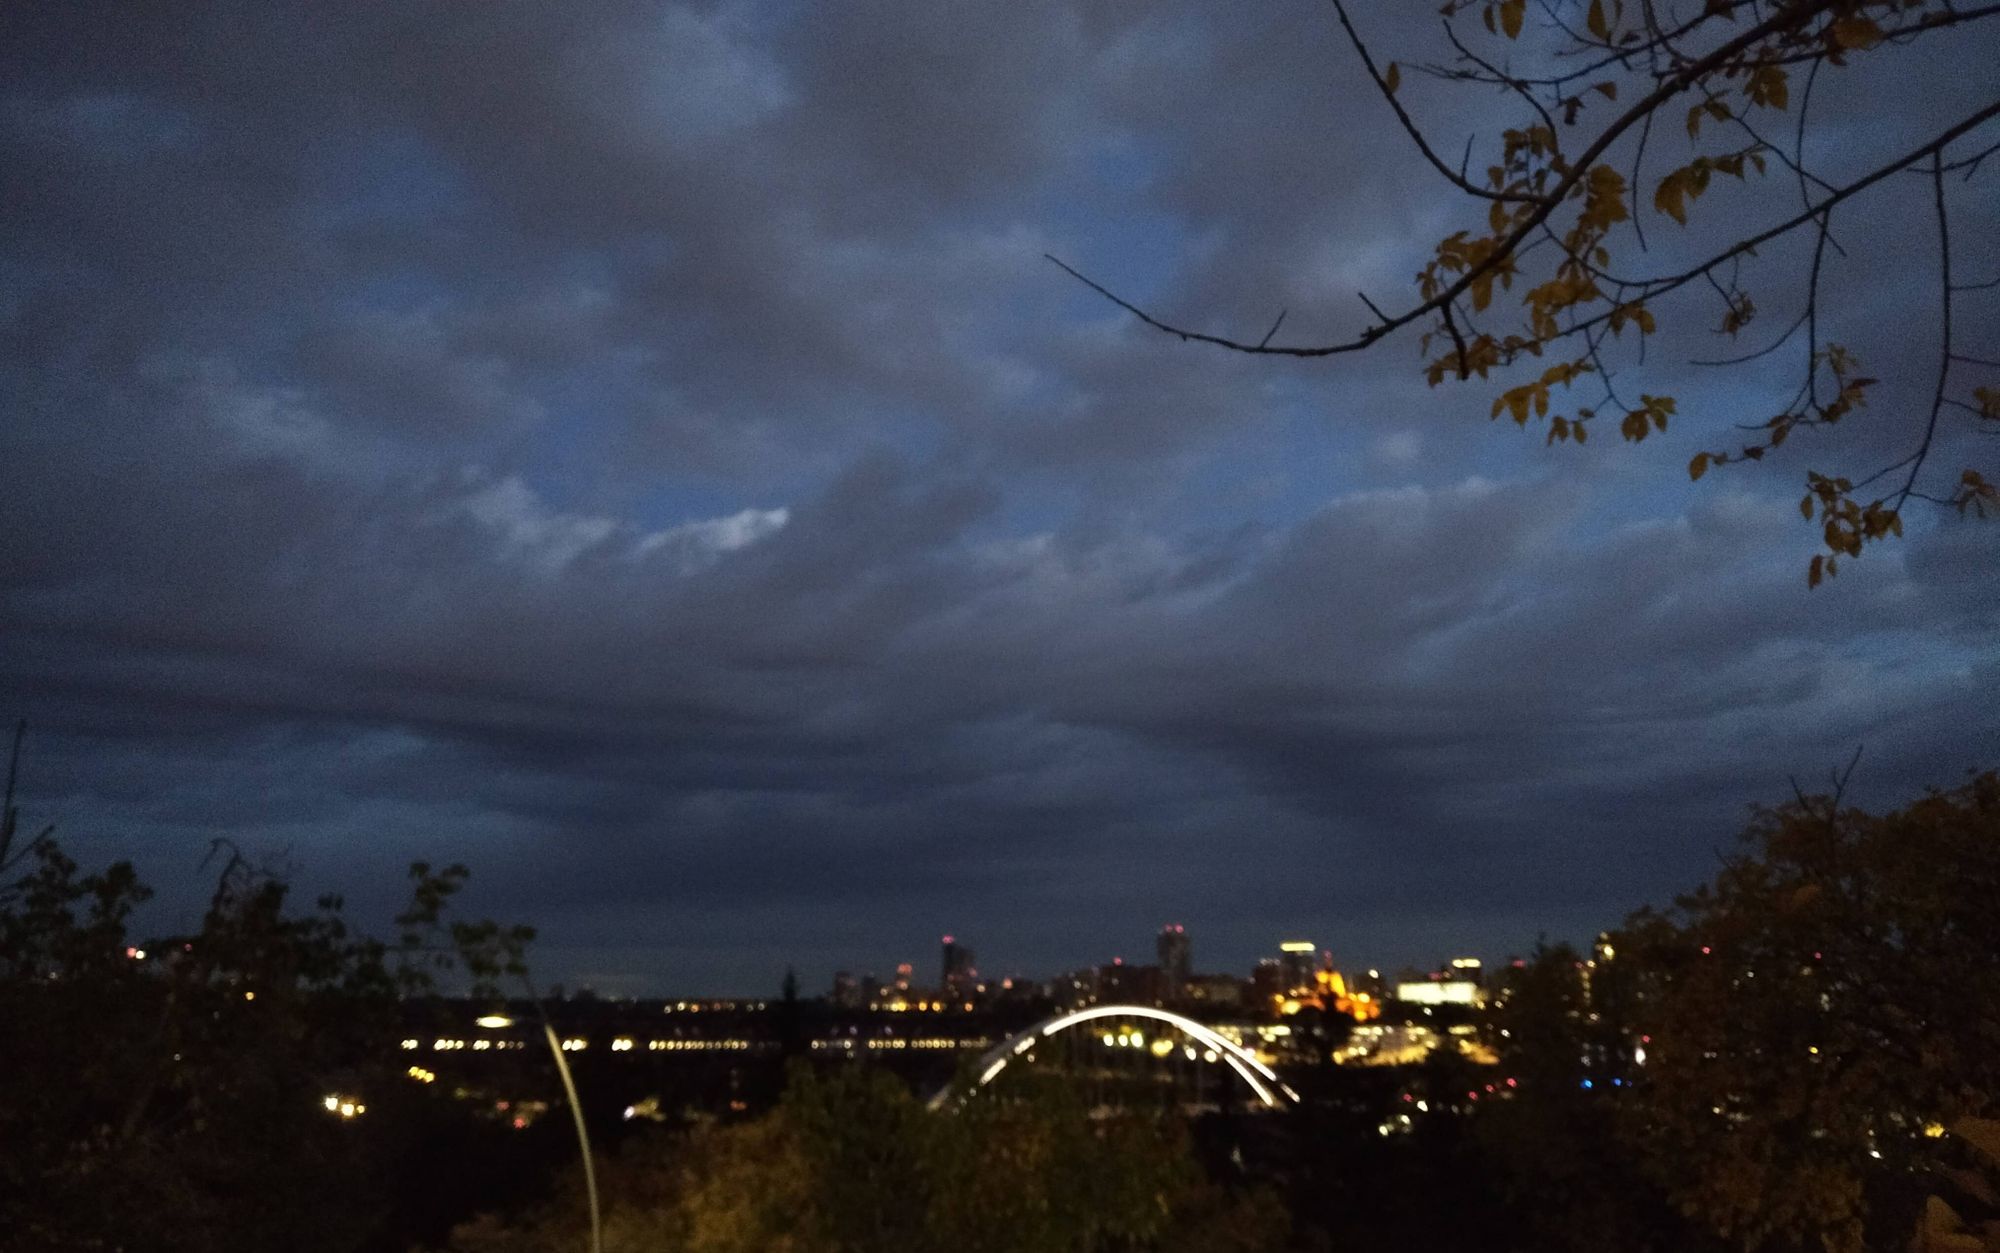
x=343, y=1106
x=493, y=1021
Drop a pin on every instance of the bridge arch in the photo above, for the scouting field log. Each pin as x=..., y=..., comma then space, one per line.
x=1270, y=1090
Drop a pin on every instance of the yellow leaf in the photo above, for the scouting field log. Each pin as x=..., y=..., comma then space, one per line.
x=1671, y=196
x=1511, y=13
x=1699, y=466
x=1393, y=78
x=1768, y=87
x=1598, y=26
x=1846, y=32
x=1813, y=571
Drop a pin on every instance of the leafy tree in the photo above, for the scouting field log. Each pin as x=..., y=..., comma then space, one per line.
x=166, y=1094
x=850, y=1162
x=1553, y=1143
x=1821, y=1014
x=1587, y=234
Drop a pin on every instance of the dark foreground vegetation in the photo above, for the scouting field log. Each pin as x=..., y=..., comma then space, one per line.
x=1802, y=1054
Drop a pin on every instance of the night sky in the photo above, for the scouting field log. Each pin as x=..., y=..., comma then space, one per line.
x=639, y=451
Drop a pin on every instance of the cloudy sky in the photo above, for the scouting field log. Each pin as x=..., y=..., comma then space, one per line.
x=639, y=451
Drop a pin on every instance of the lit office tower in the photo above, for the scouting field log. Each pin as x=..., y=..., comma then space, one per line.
x=958, y=971
x=1176, y=954
x=1296, y=960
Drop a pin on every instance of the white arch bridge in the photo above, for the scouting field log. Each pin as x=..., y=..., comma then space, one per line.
x=1269, y=1090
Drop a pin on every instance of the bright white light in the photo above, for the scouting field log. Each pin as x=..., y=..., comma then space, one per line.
x=332, y=1103
x=493, y=1021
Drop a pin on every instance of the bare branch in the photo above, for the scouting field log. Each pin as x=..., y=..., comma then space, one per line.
x=1672, y=86
x=1944, y=329
x=1274, y=328
x=1457, y=179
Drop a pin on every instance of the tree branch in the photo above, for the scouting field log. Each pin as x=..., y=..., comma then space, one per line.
x=1456, y=178
x=1672, y=86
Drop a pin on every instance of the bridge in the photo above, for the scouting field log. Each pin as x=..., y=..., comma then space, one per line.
x=1206, y=1046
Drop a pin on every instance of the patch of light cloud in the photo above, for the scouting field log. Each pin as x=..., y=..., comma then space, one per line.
x=693, y=546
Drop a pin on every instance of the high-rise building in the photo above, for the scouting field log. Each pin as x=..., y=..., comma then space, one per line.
x=1215, y=990
x=1176, y=953
x=904, y=972
x=1130, y=985
x=1267, y=982
x=959, y=974
x=1296, y=961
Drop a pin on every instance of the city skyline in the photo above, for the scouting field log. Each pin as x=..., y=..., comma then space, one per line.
x=815, y=983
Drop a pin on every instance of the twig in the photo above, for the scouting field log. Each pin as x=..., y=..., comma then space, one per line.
x=1274, y=327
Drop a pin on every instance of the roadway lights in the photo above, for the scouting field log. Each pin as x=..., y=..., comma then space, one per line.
x=493, y=1022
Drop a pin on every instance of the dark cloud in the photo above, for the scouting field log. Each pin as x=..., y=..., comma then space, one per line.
x=639, y=450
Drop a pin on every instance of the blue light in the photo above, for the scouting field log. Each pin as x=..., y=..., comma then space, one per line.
x=1586, y=1083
